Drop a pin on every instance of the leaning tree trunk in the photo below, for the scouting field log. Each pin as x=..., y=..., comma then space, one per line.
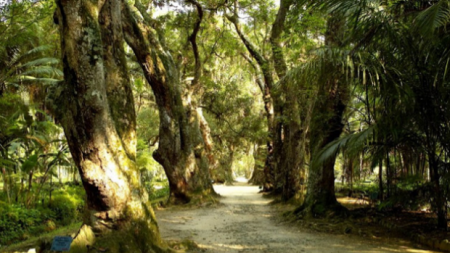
x=181, y=149
x=96, y=109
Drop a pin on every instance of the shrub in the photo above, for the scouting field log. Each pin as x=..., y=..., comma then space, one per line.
x=67, y=204
x=159, y=190
x=17, y=222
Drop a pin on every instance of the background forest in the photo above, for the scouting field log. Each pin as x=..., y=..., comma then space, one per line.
x=307, y=99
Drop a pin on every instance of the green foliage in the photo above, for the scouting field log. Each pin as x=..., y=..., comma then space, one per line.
x=67, y=204
x=159, y=190
x=19, y=223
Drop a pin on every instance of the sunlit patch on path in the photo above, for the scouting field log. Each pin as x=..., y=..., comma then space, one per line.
x=244, y=224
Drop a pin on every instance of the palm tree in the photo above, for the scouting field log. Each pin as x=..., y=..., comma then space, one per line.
x=400, y=49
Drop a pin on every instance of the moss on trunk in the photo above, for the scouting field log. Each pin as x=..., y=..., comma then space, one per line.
x=96, y=110
x=181, y=149
x=326, y=126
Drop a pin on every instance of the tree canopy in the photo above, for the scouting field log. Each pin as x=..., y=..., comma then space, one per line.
x=304, y=98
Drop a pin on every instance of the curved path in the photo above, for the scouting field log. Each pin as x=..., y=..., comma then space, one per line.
x=244, y=224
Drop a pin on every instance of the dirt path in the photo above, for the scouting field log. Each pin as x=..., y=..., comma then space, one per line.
x=245, y=224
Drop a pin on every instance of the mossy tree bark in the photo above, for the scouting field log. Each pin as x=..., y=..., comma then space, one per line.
x=96, y=109
x=259, y=155
x=181, y=147
x=289, y=155
x=326, y=126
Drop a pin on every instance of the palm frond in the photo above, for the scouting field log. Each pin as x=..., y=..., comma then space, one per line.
x=352, y=143
x=434, y=17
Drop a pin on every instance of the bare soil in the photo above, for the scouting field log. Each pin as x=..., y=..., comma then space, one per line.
x=245, y=222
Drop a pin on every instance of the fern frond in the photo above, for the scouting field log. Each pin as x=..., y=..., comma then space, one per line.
x=41, y=61
x=43, y=70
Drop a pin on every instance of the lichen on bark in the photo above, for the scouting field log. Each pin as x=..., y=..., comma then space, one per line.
x=96, y=109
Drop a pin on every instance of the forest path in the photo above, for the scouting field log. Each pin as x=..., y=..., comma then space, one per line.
x=245, y=223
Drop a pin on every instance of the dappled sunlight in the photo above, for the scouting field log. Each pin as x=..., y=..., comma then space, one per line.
x=230, y=247
x=353, y=201
x=417, y=251
x=246, y=223
x=219, y=247
x=245, y=202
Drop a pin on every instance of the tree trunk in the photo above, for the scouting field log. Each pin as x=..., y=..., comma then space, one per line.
x=181, y=148
x=282, y=167
x=6, y=188
x=259, y=155
x=208, y=141
x=321, y=195
x=96, y=109
x=326, y=126
x=380, y=181
x=388, y=175
x=439, y=201
x=292, y=158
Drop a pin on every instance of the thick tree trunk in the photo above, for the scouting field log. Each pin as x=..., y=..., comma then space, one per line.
x=208, y=141
x=439, y=200
x=326, y=126
x=290, y=131
x=325, y=129
x=291, y=158
x=181, y=149
x=388, y=175
x=96, y=109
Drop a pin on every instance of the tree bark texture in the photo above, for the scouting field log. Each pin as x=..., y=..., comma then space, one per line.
x=289, y=152
x=181, y=149
x=96, y=109
x=259, y=155
x=326, y=126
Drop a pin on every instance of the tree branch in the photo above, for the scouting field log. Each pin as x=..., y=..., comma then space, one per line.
x=193, y=41
x=277, y=30
x=254, y=52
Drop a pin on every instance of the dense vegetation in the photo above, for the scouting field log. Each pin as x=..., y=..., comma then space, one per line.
x=294, y=95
